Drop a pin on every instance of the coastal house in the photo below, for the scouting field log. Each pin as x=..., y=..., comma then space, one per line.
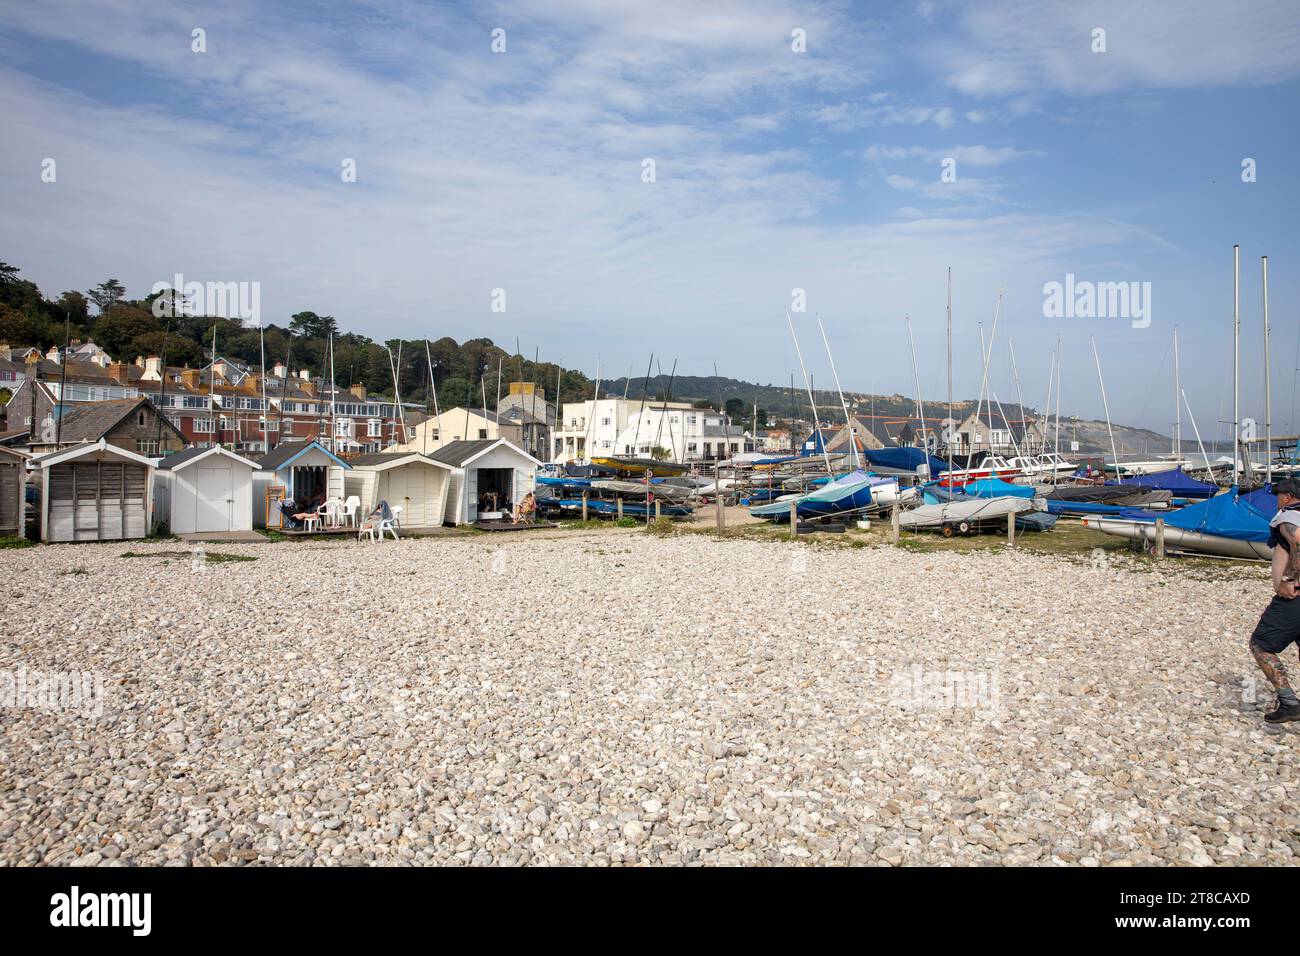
x=686, y=433
x=13, y=487
x=991, y=431
x=133, y=424
x=457, y=424
x=417, y=483
x=488, y=476
x=95, y=491
x=202, y=490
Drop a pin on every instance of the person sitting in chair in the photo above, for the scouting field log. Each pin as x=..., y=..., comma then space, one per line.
x=382, y=512
x=526, y=509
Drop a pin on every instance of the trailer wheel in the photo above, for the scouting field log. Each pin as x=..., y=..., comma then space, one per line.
x=963, y=527
x=947, y=530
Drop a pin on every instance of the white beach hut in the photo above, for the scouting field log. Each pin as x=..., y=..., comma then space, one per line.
x=492, y=466
x=203, y=490
x=416, y=483
x=302, y=471
x=94, y=492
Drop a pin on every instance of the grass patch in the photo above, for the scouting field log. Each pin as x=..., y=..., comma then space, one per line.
x=211, y=557
x=74, y=571
x=13, y=541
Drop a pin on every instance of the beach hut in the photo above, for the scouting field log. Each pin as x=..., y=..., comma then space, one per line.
x=94, y=492
x=13, y=485
x=486, y=470
x=301, y=470
x=416, y=483
x=202, y=490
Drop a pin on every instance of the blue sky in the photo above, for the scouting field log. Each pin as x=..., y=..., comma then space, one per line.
x=774, y=169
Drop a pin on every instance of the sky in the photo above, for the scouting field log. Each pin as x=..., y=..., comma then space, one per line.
x=854, y=151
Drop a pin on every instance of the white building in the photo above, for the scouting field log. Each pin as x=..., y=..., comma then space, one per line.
x=688, y=434
x=591, y=427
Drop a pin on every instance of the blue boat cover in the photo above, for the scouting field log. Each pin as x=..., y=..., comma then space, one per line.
x=1262, y=499
x=906, y=458
x=997, y=488
x=1228, y=515
x=1175, y=480
x=1066, y=506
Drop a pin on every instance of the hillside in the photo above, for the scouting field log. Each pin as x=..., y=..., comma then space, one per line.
x=781, y=402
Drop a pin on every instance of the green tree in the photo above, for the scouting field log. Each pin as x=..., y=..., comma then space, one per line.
x=107, y=294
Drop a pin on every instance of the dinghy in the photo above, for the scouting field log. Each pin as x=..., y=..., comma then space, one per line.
x=854, y=492
x=1227, y=525
x=963, y=515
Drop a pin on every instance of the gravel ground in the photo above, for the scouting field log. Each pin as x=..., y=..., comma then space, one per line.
x=623, y=698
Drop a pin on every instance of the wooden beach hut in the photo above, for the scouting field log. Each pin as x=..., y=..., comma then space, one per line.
x=13, y=487
x=485, y=470
x=300, y=470
x=94, y=492
x=204, y=490
x=415, y=482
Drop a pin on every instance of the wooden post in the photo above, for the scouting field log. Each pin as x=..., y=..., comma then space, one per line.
x=717, y=500
x=893, y=523
x=794, y=519
x=658, y=509
x=584, y=507
x=1160, y=537
x=1011, y=530
x=620, y=508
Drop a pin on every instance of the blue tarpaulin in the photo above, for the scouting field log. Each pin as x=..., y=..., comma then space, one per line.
x=905, y=458
x=1175, y=480
x=997, y=488
x=1227, y=515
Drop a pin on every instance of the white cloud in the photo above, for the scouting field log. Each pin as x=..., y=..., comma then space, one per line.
x=1004, y=47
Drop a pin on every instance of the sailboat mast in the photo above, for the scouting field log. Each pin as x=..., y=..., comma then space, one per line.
x=1268, y=383
x=916, y=377
x=853, y=446
x=1059, y=370
x=817, y=436
x=1106, y=406
x=951, y=423
x=266, y=409
x=1178, y=407
x=1020, y=398
x=1236, y=360
x=1047, y=405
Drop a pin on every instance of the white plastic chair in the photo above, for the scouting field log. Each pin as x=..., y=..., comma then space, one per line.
x=376, y=529
x=391, y=526
x=332, y=509
x=350, y=508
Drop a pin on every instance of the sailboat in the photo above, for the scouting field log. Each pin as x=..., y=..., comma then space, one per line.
x=1228, y=525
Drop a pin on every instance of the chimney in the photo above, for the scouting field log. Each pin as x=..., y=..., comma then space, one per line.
x=139, y=361
x=53, y=355
x=359, y=391
x=279, y=371
x=117, y=372
x=101, y=359
x=304, y=375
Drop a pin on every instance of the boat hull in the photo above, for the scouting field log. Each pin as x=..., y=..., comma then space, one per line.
x=1181, y=539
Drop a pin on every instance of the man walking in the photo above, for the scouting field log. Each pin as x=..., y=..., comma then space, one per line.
x=1279, y=626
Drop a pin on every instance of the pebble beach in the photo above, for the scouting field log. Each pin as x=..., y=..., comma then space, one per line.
x=622, y=698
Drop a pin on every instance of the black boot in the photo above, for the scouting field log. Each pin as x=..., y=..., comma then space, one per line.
x=1285, y=712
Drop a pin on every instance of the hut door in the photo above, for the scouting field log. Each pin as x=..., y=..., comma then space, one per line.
x=213, y=499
